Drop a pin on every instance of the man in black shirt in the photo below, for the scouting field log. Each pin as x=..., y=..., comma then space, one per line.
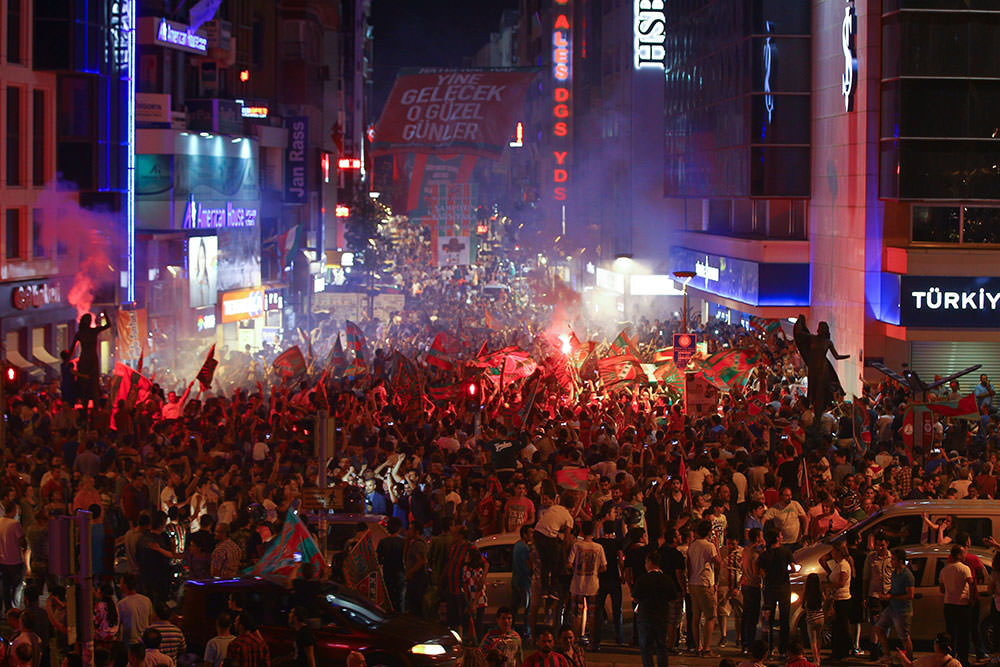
x=610, y=584
x=774, y=566
x=153, y=556
x=674, y=566
x=390, y=556
x=653, y=591
x=305, y=640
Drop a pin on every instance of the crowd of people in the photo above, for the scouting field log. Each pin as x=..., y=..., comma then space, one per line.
x=616, y=493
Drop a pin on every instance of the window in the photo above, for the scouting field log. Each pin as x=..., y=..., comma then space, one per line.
x=956, y=224
x=13, y=31
x=917, y=567
x=38, y=137
x=13, y=136
x=37, y=233
x=936, y=224
x=12, y=233
x=500, y=558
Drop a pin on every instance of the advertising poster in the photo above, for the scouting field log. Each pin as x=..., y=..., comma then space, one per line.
x=239, y=258
x=701, y=397
x=132, y=333
x=203, y=270
x=296, y=171
x=454, y=251
x=452, y=111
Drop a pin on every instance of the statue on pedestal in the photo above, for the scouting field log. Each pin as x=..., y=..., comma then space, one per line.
x=823, y=381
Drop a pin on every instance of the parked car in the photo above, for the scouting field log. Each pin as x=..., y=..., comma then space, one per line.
x=926, y=562
x=341, y=621
x=903, y=524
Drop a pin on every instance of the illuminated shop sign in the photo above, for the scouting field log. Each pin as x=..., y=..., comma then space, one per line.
x=242, y=304
x=562, y=108
x=254, y=112
x=848, y=42
x=649, y=28
x=948, y=301
x=25, y=297
x=752, y=283
x=177, y=35
x=205, y=322
x=199, y=216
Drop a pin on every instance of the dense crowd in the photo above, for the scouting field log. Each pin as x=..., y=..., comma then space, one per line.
x=615, y=492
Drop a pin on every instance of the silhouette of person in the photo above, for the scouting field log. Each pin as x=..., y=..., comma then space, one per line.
x=88, y=367
x=823, y=380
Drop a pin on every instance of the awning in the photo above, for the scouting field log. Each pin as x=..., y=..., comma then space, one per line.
x=38, y=348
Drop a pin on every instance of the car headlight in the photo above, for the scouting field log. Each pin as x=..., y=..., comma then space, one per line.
x=794, y=598
x=427, y=649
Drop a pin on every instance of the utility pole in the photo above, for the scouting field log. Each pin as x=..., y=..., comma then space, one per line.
x=85, y=582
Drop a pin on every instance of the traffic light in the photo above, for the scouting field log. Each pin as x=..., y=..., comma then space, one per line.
x=11, y=380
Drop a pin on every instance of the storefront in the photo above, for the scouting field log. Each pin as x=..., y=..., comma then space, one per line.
x=36, y=323
x=241, y=319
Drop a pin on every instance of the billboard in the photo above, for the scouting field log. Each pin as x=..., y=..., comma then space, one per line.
x=239, y=258
x=432, y=110
x=296, y=168
x=203, y=267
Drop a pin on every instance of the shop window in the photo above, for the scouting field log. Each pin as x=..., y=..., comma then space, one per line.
x=936, y=224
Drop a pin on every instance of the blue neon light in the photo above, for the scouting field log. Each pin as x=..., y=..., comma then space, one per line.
x=129, y=24
x=768, y=97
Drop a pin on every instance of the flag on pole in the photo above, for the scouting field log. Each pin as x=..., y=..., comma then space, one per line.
x=290, y=363
x=355, y=338
x=338, y=359
x=618, y=369
x=132, y=388
x=726, y=368
x=442, y=351
x=357, y=368
x=293, y=547
x=207, y=371
x=805, y=484
x=966, y=408
x=289, y=244
x=623, y=345
x=363, y=574
x=765, y=325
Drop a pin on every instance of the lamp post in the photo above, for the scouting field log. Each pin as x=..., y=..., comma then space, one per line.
x=624, y=264
x=686, y=276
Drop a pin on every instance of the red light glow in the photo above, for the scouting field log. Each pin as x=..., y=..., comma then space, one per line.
x=343, y=211
x=349, y=163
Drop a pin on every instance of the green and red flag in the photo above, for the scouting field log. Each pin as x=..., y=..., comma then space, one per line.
x=207, y=371
x=443, y=351
x=726, y=368
x=290, y=363
x=667, y=374
x=619, y=369
x=403, y=375
x=357, y=367
x=363, y=574
x=286, y=554
x=355, y=338
x=338, y=359
x=448, y=392
x=623, y=345
x=965, y=408
x=765, y=325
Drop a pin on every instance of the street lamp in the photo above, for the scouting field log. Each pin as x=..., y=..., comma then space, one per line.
x=686, y=276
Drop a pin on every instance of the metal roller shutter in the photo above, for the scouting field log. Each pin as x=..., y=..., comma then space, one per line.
x=928, y=358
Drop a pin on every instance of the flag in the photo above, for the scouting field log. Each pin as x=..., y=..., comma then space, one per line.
x=289, y=244
x=362, y=572
x=622, y=368
x=505, y=365
x=202, y=12
x=442, y=351
x=355, y=338
x=357, y=367
x=525, y=412
x=448, y=392
x=293, y=547
x=491, y=322
x=765, y=325
x=805, y=485
x=726, y=368
x=207, y=371
x=572, y=478
x=132, y=388
x=403, y=375
x=290, y=363
x=965, y=408
x=623, y=345
x=908, y=430
x=667, y=373
x=337, y=358
x=663, y=355
x=685, y=485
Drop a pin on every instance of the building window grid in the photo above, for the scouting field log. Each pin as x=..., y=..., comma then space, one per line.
x=962, y=211
x=13, y=236
x=13, y=138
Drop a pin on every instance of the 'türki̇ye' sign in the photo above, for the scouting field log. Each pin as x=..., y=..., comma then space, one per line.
x=452, y=111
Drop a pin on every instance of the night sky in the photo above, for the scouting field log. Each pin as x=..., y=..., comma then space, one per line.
x=432, y=33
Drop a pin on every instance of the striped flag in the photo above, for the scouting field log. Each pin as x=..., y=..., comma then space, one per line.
x=207, y=371
x=290, y=363
x=357, y=367
x=442, y=351
x=618, y=369
x=726, y=368
x=293, y=547
x=765, y=325
x=337, y=358
x=362, y=572
x=623, y=345
x=965, y=408
x=355, y=338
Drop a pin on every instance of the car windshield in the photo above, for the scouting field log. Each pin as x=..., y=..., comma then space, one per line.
x=356, y=610
x=859, y=527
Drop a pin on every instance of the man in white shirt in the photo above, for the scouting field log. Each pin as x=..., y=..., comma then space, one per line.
x=174, y=407
x=789, y=518
x=134, y=612
x=554, y=523
x=12, y=546
x=703, y=564
x=959, y=588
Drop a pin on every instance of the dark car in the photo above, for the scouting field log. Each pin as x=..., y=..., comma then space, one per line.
x=341, y=621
